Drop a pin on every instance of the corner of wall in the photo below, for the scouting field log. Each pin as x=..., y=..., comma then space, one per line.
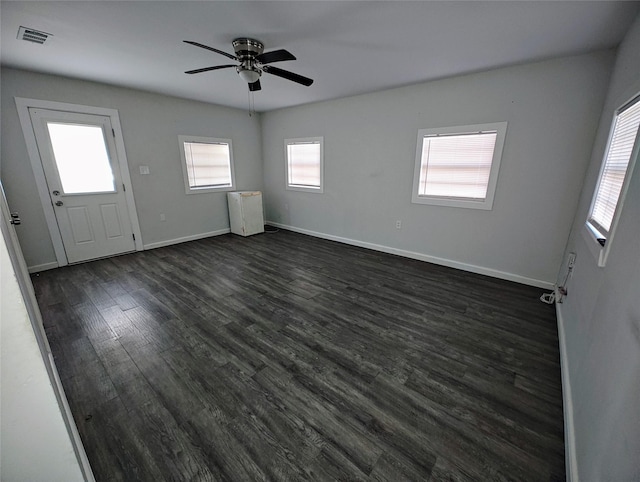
x=571, y=462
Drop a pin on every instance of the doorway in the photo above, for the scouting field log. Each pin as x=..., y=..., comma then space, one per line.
x=77, y=154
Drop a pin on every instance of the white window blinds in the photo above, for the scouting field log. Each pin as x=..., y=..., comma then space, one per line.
x=616, y=163
x=207, y=164
x=304, y=167
x=457, y=166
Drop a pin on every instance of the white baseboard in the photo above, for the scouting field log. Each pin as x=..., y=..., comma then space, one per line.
x=571, y=462
x=45, y=266
x=423, y=257
x=184, y=239
x=42, y=267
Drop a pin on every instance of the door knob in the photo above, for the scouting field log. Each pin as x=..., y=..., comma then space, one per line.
x=59, y=203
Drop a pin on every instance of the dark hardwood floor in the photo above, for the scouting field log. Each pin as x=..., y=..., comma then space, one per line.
x=286, y=357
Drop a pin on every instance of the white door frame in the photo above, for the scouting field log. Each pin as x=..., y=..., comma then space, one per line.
x=23, y=105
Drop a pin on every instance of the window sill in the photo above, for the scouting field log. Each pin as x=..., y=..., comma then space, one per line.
x=486, y=205
x=209, y=189
x=591, y=239
x=317, y=190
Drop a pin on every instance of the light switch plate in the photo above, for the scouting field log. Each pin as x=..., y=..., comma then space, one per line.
x=144, y=169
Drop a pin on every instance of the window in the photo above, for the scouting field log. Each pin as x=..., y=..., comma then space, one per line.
x=458, y=166
x=304, y=164
x=207, y=164
x=81, y=157
x=621, y=153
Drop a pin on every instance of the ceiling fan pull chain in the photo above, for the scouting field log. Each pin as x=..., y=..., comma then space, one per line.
x=251, y=102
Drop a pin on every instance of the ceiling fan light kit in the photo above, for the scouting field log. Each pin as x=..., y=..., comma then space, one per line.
x=249, y=75
x=253, y=62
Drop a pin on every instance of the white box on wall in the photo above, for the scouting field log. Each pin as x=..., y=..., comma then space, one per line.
x=245, y=212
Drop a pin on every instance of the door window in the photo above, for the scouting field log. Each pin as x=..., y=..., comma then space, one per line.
x=81, y=158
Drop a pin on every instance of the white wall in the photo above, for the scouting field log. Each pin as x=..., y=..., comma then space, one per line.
x=151, y=124
x=552, y=109
x=601, y=315
x=34, y=440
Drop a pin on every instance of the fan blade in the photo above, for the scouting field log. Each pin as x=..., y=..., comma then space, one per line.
x=285, y=74
x=207, y=69
x=275, y=56
x=255, y=86
x=211, y=48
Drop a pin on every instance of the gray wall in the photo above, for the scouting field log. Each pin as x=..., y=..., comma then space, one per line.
x=552, y=109
x=151, y=124
x=601, y=315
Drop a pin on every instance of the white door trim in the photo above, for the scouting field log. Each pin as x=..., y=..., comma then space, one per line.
x=23, y=105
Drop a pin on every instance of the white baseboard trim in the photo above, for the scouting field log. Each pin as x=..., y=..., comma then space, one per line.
x=422, y=257
x=571, y=462
x=42, y=267
x=184, y=239
x=45, y=266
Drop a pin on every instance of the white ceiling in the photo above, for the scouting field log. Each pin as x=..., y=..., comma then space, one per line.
x=348, y=47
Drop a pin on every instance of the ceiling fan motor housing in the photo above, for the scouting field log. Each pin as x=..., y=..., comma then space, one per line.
x=247, y=48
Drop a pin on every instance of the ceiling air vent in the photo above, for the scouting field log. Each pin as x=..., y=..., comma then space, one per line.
x=31, y=35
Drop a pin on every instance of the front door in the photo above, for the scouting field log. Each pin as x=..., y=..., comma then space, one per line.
x=83, y=177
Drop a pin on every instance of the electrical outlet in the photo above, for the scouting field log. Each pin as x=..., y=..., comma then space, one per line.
x=571, y=261
x=163, y=217
x=398, y=224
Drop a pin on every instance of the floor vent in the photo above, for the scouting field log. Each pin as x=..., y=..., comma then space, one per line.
x=31, y=35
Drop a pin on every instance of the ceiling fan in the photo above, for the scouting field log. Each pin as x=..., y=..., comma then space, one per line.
x=253, y=61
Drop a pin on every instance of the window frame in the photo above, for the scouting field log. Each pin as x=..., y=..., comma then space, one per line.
x=182, y=139
x=298, y=187
x=591, y=232
x=487, y=204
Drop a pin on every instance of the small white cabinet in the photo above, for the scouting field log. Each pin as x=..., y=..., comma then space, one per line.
x=245, y=212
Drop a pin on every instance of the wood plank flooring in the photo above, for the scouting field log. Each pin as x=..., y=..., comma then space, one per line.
x=286, y=357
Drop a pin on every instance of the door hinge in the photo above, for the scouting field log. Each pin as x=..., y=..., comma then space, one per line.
x=134, y=237
x=113, y=132
x=124, y=188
